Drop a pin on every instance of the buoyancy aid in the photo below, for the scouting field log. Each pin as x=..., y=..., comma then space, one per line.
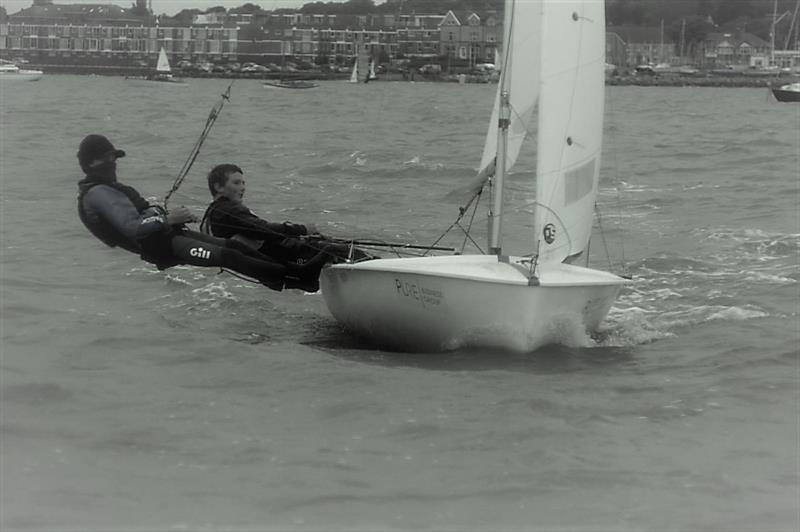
x=154, y=249
x=106, y=233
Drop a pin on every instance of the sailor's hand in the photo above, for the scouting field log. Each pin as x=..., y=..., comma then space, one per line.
x=180, y=215
x=311, y=229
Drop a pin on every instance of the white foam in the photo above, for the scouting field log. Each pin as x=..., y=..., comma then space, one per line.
x=737, y=314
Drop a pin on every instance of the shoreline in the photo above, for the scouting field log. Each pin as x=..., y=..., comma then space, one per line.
x=663, y=80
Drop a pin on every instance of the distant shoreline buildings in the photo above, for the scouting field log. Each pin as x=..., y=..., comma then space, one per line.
x=47, y=33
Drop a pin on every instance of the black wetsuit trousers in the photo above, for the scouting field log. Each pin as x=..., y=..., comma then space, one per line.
x=199, y=249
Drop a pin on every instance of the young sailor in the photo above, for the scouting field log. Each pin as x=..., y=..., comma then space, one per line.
x=118, y=216
x=286, y=242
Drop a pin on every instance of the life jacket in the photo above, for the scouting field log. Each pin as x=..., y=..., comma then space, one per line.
x=154, y=249
x=106, y=233
x=206, y=223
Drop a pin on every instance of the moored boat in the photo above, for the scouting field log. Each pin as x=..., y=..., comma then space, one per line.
x=787, y=93
x=11, y=72
x=292, y=84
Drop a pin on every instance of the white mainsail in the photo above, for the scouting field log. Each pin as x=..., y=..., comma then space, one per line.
x=562, y=45
x=570, y=127
x=163, y=62
x=362, y=64
x=354, y=73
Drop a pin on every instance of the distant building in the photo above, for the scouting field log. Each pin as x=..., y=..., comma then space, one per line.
x=741, y=49
x=106, y=34
x=471, y=38
x=629, y=46
x=419, y=36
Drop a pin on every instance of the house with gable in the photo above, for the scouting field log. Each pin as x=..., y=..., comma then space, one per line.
x=418, y=35
x=469, y=38
x=740, y=49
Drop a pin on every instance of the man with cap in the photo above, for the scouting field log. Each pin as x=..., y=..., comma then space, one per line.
x=118, y=216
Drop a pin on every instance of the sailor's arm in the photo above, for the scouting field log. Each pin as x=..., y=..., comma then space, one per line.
x=250, y=225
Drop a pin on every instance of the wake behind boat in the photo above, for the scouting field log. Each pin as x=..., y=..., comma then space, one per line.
x=9, y=71
x=525, y=300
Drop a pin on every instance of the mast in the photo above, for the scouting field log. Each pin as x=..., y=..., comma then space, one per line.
x=792, y=28
x=504, y=117
x=683, y=37
x=775, y=20
x=772, y=34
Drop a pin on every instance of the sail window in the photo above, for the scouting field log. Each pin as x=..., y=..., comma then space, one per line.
x=578, y=182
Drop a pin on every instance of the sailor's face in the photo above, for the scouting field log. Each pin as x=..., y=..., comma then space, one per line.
x=233, y=188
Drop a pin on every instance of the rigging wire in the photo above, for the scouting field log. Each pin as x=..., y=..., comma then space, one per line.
x=461, y=212
x=212, y=117
x=615, y=164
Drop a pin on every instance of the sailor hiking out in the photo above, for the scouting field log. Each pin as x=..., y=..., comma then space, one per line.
x=120, y=217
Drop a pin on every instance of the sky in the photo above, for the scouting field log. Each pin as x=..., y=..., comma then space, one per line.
x=170, y=7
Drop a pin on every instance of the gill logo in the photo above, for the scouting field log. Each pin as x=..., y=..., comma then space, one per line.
x=200, y=253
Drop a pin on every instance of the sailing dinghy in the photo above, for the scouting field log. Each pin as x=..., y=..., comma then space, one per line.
x=555, y=56
x=163, y=72
x=363, y=69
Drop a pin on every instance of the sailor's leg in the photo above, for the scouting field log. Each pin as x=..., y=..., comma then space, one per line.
x=206, y=252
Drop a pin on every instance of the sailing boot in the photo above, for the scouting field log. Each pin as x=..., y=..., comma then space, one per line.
x=306, y=276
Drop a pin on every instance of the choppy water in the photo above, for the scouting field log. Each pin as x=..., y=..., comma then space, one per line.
x=138, y=399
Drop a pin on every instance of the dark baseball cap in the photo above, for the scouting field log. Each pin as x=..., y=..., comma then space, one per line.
x=95, y=147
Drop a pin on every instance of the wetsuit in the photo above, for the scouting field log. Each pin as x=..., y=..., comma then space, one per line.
x=118, y=216
x=280, y=241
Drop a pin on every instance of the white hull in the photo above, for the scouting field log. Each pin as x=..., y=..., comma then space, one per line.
x=173, y=82
x=444, y=303
x=21, y=75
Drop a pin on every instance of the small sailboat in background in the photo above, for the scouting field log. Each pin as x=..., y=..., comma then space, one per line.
x=363, y=67
x=163, y=72
x=555, y=56
x=372, y=76
x=354, y=73
x=285, y=83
